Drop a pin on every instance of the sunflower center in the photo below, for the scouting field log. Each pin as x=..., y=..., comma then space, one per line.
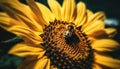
x=66, y=46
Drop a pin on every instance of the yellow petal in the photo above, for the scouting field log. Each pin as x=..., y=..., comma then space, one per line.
x=96, y=16
x=55, y=8
x=37, y=12
x=89, y=13
x=46, y=12
x=111, y=31
x=20, y=12
x=68, y=10
x=105, y=45
x=99, y=16
x=24, y=50
x=97, y=25
x=107, y=61
x=104, y=33
x=100, y=34
x=26, y=34
x=6, y=22
x=81, y=14
x=95, y=66
x=43, y=63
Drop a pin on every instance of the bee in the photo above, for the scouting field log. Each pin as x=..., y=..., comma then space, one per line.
x=69, y=31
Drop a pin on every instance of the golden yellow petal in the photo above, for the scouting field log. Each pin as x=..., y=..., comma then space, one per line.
x=96, y=16
x=68, y=10
x=100, y=34
x=81, y=14
x=107, y=61
x=111, y=32
x=105, y=45
x=26, y=34
x=103, y=33
x=6, y=22
x=42, y=63
x=89, y=13
x=99, y=16
x=37, y=12
x=55, y=8
x=24, y=50
x=46, y=12
x=95, y=66
x=20, y=12
x=97, y=25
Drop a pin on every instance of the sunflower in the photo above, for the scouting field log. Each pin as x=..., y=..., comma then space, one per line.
x=62, y=37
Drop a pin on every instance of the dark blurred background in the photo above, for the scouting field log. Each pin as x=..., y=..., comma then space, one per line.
x=110, y=7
